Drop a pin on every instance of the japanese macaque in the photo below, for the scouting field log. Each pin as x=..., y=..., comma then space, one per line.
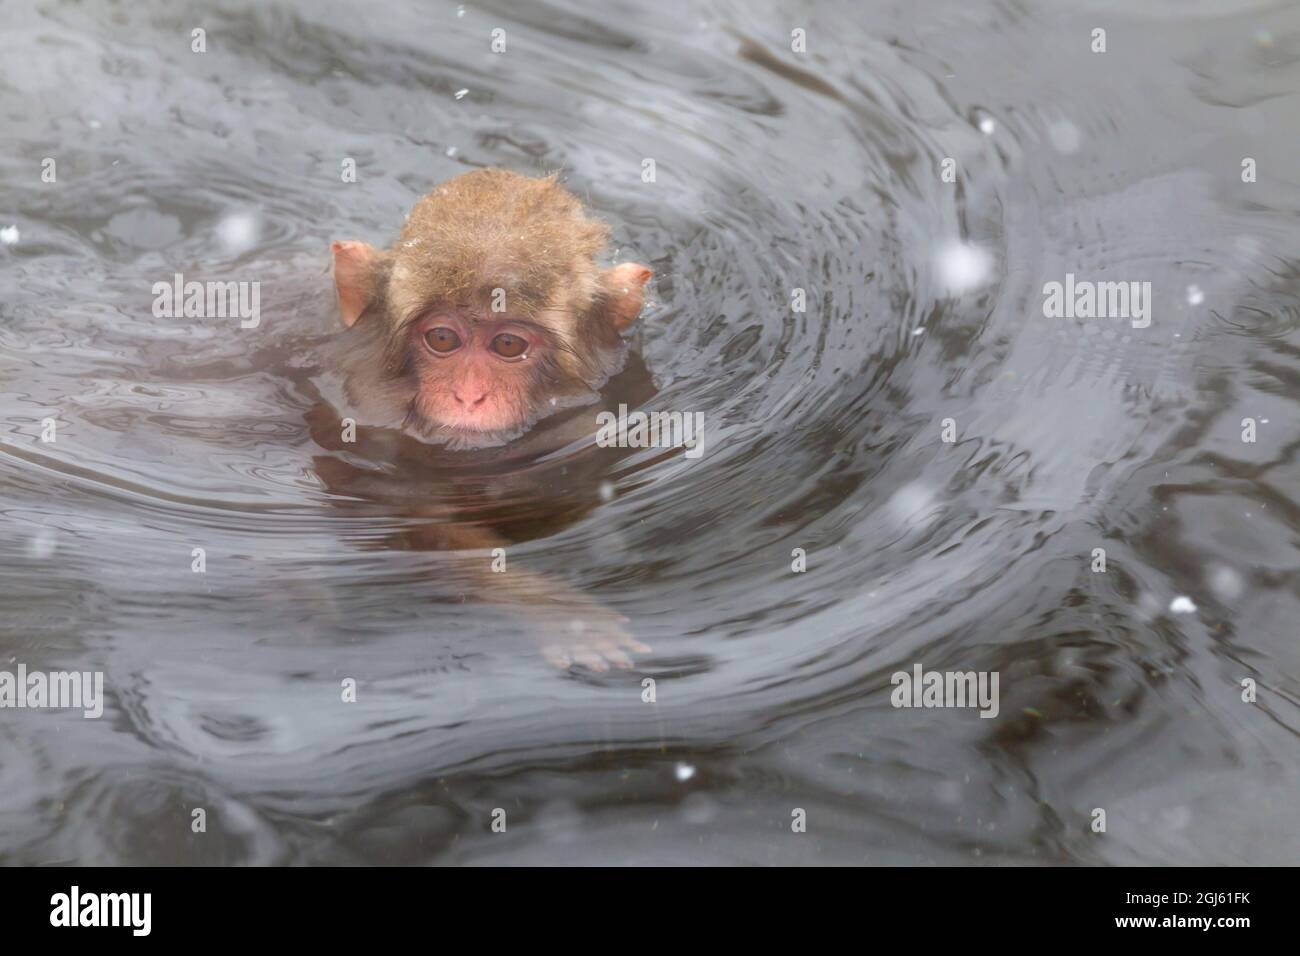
x=488, y=314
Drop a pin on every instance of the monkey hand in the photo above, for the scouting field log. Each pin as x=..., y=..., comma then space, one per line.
x=589, y=635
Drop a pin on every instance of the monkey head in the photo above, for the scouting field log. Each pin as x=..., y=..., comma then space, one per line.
x=488, y=313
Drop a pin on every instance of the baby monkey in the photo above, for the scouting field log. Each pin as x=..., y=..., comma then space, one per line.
x=486, y=315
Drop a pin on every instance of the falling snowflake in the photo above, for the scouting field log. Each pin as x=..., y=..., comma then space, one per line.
x=963, y=267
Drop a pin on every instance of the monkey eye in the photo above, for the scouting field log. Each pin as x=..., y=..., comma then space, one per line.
x=509, y=346
x=442, y=340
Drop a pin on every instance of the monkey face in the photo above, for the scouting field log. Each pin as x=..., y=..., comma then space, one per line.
x=488, y=314
x=477, y=376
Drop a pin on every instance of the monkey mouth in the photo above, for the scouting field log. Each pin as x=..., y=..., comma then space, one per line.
x=485, y=421
x=464, y=432
x=460, y=432
x=459, y=438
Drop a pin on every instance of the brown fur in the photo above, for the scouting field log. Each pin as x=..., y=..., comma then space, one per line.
x=495, y=229
x=486, y=230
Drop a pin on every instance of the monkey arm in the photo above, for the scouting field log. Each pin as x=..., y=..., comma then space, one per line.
x=574, y=628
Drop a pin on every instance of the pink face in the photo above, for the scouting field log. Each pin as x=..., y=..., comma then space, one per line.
x=475, y=375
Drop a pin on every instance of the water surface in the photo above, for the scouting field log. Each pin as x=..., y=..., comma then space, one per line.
x=775, y=171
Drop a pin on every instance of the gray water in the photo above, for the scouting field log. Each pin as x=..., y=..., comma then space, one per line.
x=776, y=170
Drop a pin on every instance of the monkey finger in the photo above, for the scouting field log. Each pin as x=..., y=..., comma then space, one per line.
x=557, y=657
x=590, y=659
x=632, y=644
x=616, y=656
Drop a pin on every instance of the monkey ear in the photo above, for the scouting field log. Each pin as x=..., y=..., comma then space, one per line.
x=625, y=292
x=354, y=263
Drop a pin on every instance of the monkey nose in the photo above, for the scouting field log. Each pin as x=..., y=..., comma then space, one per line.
x=471, y=399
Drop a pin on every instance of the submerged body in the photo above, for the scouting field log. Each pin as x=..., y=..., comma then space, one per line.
x=486, y=316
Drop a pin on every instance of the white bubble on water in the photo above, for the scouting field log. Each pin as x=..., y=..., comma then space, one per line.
x=987, y=126
x=606, y=491
x=239, y=231
x=1065, y=136
x=461, y=94
x=683, y=772
x=1147, y=606
x=1194, y=295
x=913, y=505
x=9, y=235
x=41, y=546
x=1226, y=583
x=963, y=267
x=1182, y=605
